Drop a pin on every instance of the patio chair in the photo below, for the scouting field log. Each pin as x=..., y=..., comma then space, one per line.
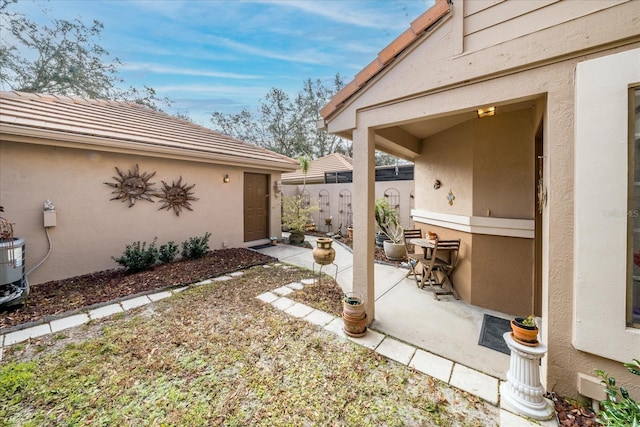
x=413, y=257
x=443, y=259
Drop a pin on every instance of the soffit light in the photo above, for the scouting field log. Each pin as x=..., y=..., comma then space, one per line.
x=486, y=112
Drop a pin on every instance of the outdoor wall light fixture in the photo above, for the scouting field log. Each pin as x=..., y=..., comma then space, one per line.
x=226, y=178
x=486, y=112
x=277, y=186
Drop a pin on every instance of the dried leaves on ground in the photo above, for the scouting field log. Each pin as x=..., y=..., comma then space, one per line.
x=572, y=413
x=74, y=293
x=216, y=355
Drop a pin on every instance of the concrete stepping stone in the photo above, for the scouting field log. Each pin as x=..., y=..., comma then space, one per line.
x=69, y=322
x=299, y=310
x=283, y=303
x=432, y=365
x=475, y=382
x=318, y=317
x=268, y=297
x=396, y=350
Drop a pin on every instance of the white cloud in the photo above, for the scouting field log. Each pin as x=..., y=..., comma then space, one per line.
x=163, y=69
x=306, y=56
x=204, y=90
x=358, y=13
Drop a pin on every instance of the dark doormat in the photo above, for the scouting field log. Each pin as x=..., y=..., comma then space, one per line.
x=491, y=333
x=266, y=245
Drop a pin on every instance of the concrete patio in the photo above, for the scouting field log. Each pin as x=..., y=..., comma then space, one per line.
x=438, y=338
x=449, y=328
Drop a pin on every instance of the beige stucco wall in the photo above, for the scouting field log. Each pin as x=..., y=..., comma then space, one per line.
x=448, y=157
x=503, y=165
x=533, y=67
x=91, y=229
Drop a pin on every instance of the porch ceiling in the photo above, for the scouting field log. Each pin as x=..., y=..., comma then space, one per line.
x=405, y=139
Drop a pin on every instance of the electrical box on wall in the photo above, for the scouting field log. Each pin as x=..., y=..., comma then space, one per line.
x=49, y=218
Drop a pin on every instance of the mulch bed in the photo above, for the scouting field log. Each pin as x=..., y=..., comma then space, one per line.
x=50, y=299
x=572, y=413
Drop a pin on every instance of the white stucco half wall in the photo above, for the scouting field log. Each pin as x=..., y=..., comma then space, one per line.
x=601, y=205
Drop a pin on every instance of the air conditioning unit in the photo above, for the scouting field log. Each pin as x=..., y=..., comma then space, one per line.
x=14, y=287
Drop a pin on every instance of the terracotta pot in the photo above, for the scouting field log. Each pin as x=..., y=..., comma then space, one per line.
x=526, y=334
x=353, y=306
x=355, y=328
x=350, y=233
x=324, y=254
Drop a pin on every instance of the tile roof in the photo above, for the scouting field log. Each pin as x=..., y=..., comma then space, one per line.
x=330, y=163
x=126, y=126
x=387, y=55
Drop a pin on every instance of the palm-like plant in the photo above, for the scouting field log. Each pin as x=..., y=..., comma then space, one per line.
x=388, y=221
x=304, y=168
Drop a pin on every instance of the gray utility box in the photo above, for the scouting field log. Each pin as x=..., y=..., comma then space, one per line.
x=14, y=287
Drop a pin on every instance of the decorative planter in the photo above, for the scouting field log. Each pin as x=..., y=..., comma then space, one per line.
x=296, y=237
x=394, y=251
x=354, y=315
x=324, y=254
x=524, y=334
x=355, y=328
x=350, y=233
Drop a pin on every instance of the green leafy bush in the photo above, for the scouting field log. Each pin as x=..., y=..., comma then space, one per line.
x=168, y=252
x=619, y=410
x=138, y=257
x=196, y=247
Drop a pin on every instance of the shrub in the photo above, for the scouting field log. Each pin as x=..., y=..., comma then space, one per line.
x=168, y=252
x=619, y=410
x=296, y=213
x=138, y=257
x=196, y=247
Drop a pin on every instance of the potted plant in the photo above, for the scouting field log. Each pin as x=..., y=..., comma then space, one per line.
x=383, y=213
x=525, y=330
x=389, y=227
x=296, y=214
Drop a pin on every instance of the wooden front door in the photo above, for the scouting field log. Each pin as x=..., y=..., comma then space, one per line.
x=256, y=206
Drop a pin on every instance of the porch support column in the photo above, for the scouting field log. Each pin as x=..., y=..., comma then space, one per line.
x=363, y=219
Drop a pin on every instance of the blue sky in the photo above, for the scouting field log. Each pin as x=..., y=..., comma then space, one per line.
x=220, y=55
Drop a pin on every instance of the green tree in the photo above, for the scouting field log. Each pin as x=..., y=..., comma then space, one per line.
x=64, y=58
x=313, y=96
x=285, y=125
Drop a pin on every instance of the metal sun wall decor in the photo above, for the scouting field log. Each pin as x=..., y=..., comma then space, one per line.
x=132, y=186
x=176, y=196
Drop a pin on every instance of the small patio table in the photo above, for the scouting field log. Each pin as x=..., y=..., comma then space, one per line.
x=431, y=249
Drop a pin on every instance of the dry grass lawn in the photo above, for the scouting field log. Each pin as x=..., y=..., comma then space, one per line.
x=216, y=355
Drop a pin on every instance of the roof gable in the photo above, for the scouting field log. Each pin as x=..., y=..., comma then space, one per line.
x=387, y=55
x=330, y=163
x=126, y=124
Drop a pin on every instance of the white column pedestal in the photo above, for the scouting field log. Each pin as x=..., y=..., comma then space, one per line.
x=523, y=393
